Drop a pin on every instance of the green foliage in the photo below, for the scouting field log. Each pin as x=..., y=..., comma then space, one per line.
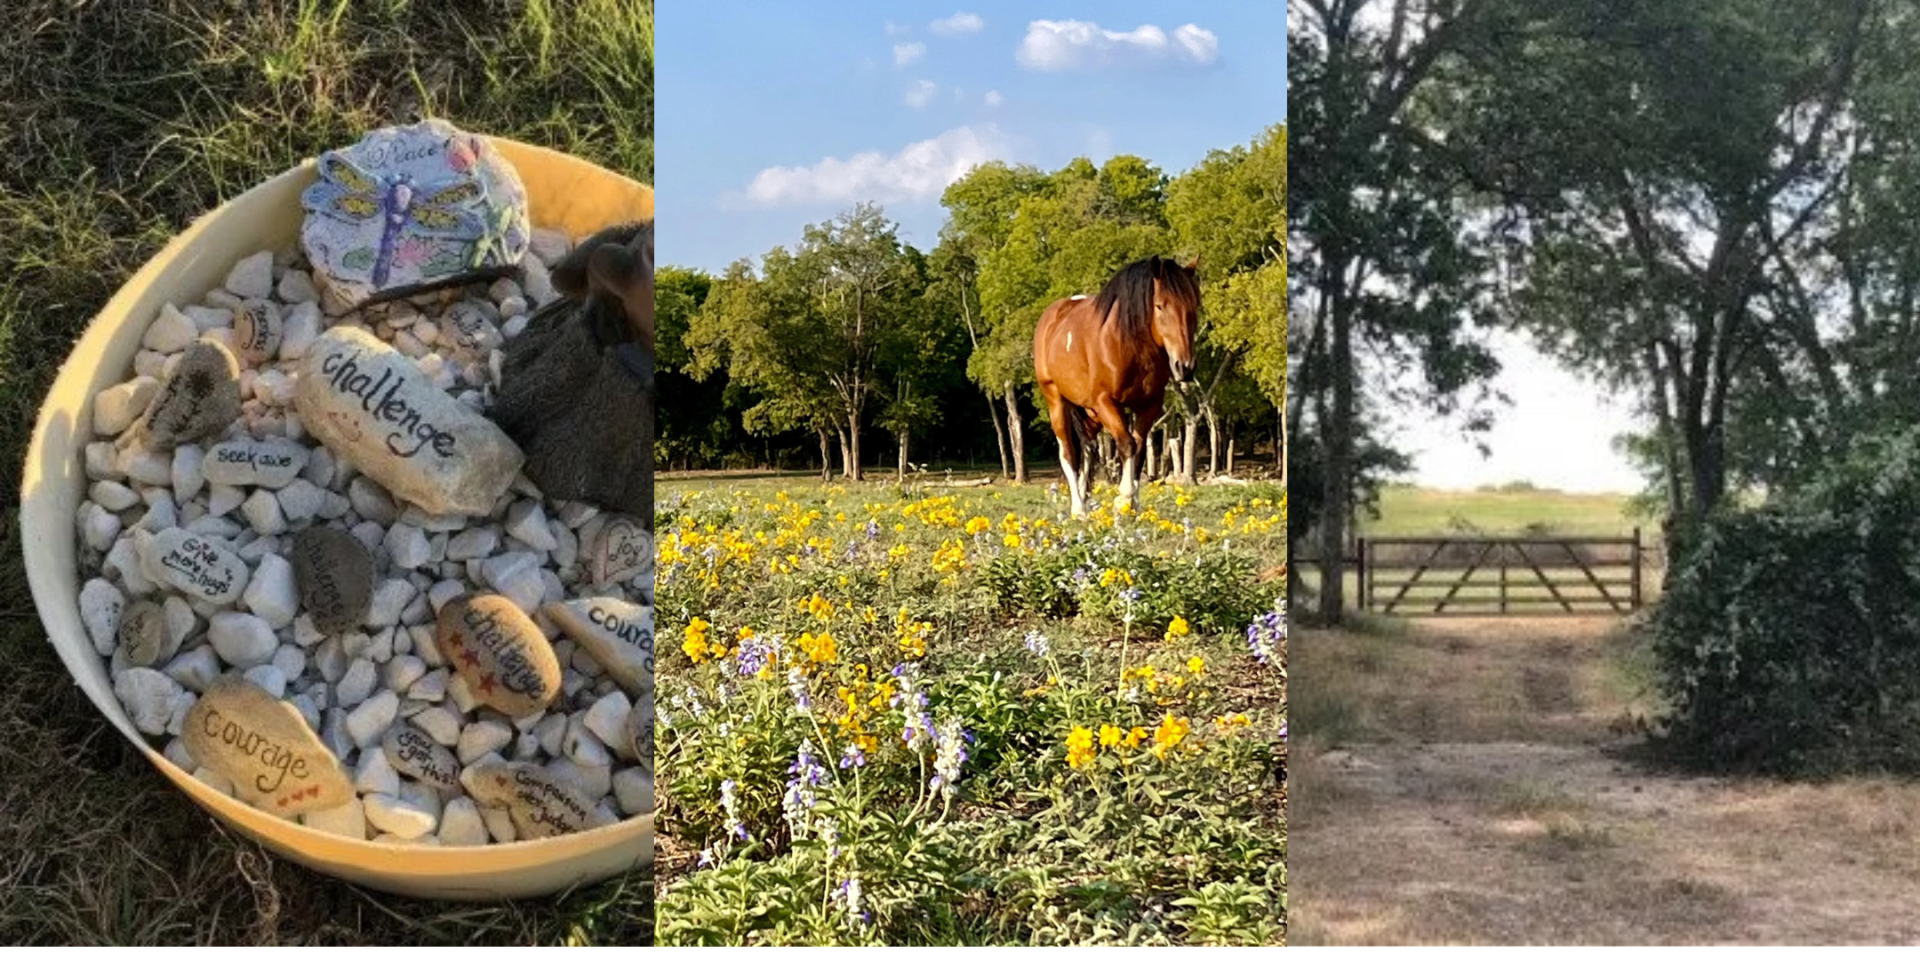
x=1213, y=590
x=1789, y=642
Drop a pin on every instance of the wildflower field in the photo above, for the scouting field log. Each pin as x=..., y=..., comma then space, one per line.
x=930, y=715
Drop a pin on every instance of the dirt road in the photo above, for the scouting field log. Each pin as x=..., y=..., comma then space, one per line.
x=1477, y=782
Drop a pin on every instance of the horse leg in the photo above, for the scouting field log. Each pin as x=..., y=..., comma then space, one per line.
x=1115, y=421
x=1059, y=413
x=1144, y=420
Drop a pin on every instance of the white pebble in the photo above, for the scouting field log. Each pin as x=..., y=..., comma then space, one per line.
x=301, y=501
x=148, y=696
x=194, y=669
x=527, y=522
x=473, y=544
x=252, y=277
x=376, y=774
x=582, y=747
x=242, y=639
x=101, y=605
x=117, y=407
x=607, y=718
x=271, y=593
x=356, y=685
x=397, y=817
x=222, y=500
x=461, y=825
x=170, y=332
x=482, y=738
x=263, y=513
x=269, y=678
x=390, y=597
x=368, y=722
x=440, y=723
x=633, y=788
x=407, y=546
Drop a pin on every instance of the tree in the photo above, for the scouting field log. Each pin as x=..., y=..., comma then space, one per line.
x=1378, y=248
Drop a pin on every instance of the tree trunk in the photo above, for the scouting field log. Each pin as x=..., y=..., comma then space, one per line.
x=1337, y=482
x=1016, y=436
x=826, y=456
x=903, y=455
x=854, y=466
x=1229, y=452
x=846, y=453
x=999, y=434
x=1189, y=449
x=1213, y=440
x=1151, y=462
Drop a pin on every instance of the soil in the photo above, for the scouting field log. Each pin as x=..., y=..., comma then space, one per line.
x=1485, y=784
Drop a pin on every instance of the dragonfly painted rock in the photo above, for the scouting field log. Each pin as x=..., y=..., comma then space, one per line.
x=412, y=208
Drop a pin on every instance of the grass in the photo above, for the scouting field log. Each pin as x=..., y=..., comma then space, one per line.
x=1178, y=836
x=120, y=122
x=1414, y=511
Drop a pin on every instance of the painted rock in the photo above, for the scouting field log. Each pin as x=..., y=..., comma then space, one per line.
x=417, y=755
x=620, y=550
x=372, y=405
x=640, y=729
x=540, y=804
x=257, y=331
x=198, y=402
x=273, y=758
x=412, y=208
x=500, y=652
x=617, y=634
x=200, y=567
x=334, y=572
x=144, y=636
x=254, y=463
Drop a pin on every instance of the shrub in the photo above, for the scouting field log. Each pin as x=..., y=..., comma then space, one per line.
x=1789, y=642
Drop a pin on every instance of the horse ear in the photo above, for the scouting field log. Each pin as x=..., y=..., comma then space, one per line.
x=1193, y=266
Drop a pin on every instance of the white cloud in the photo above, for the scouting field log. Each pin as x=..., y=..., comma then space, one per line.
x=921, y=93
x=896, y=30
x=1080, y=44
x=958, y=24
x=994, y=99
x=905, y=53
x=918, y=171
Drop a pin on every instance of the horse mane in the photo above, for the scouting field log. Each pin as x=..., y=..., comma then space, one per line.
x=1132, y=290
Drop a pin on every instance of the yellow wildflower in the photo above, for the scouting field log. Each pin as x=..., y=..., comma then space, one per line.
x=1196, y=666
x=977, y=525
x=1079, y=747
x=1178, y=628
x=1110, y=735
x=1168, y=735
x=696, y=642
x=1012, y=540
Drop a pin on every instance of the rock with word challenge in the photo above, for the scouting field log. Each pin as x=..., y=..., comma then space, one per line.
x=372, y=405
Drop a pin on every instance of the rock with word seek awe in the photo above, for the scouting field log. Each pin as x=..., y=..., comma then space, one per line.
x=372, y=405
x=410, y=209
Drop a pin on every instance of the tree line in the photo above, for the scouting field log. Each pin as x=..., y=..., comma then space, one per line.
x=1708, y=204
x=852, y=337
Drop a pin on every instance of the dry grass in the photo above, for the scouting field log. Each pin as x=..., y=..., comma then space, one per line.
x=1477, y=782
x=121, y=121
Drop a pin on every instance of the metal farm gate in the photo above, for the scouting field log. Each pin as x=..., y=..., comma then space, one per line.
x=1498, y=576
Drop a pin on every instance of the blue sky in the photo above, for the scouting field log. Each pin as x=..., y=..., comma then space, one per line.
x=770, y=116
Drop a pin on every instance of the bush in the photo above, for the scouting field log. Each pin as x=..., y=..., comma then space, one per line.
x=1789, y=642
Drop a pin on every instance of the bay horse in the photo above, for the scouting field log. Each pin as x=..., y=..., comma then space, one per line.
x=1099, y=360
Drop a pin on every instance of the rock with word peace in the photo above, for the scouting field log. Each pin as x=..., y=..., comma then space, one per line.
x=416, y=755
x=257, y=331
x=372, y=405
x=620, y=550
x=334, y=573
x=254, y=463
x=198, y=401
x=412, y=208
x=274, y=759
x=500, y=652
x=615, y=633
x=540, y=804
x=200, y=567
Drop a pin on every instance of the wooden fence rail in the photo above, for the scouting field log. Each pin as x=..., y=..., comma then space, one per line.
x=1497, y=576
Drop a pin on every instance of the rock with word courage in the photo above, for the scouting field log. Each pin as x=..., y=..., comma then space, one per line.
x=374, y=406
x=500, y=652
x=412, y=208
x=274, y=759
x=254, y=463
x=198, y=401
x=416, y=755
x=200, y=567
x=540, y=804
x=334, y=572
x=620, y=550
x=615, y=633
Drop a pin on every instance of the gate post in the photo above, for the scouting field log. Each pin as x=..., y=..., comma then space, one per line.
x=1362, y=581
x=1636, y=569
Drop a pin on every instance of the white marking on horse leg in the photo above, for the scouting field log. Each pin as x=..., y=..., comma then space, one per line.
x=1073, y=486
x=1129, y=498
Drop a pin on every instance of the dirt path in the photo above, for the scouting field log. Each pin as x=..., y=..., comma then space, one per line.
x=1473, y=782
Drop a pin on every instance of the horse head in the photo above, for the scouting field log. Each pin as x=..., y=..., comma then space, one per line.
x=613, y=272
x=1176, y=315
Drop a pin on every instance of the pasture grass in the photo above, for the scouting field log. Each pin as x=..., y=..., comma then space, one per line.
x=1416, y=511
x=120, y=123
x=1179, y=837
